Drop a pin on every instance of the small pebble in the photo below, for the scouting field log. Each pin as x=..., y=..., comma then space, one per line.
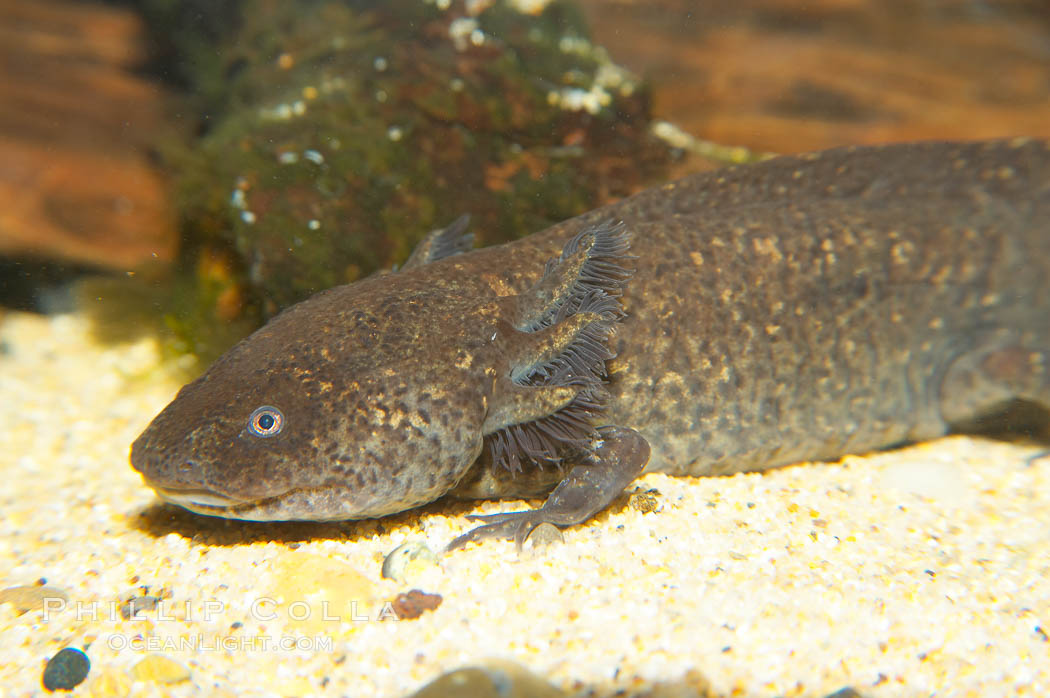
x=493, y=680
x=692, y=684
x=415, y=603
x=847, y=692
x=66, y=670
x=545, y=534
x=644, y=502
x=138, y=604
x=159, y=669
x=406, y=559
x=31, y=597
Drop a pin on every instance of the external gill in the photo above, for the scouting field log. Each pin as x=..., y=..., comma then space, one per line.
x=544, y=410
x=591, y=261
x=574, y=349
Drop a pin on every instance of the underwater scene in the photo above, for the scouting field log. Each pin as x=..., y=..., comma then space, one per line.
x=537, y=348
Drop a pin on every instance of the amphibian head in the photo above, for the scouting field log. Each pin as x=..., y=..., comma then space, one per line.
x=376, y=397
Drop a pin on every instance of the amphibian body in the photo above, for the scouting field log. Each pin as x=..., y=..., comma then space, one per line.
x=798, y=309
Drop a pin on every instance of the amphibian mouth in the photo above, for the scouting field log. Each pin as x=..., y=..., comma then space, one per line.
x=798, y=309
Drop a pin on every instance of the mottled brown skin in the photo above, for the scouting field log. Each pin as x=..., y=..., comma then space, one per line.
x=798, y=309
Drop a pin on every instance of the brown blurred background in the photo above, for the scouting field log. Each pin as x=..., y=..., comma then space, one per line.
x=79, y=117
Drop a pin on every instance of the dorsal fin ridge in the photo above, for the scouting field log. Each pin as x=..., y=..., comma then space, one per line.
x=443, y=242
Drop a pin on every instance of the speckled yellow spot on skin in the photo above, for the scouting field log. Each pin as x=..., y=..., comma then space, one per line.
x=902, y=252
x=989, y=299
x=768, y=247
x=670, y=378
x=310, y=92
x=285, y=61
x=464, y=360
x=696, y=258
x=1035, y=359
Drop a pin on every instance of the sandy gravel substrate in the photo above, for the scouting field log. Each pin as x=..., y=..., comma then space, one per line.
x=907, y=573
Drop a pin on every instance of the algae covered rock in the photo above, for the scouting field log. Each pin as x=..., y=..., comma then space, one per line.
x=341, y=132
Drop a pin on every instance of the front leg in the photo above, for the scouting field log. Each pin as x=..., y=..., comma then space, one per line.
x=618, y=458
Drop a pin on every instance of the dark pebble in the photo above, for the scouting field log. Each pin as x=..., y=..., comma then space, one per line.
x=494, y=679
x=138, y=604
x=66, y=670
x=847, y=692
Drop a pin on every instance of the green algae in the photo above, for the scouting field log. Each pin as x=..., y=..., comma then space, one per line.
x=338, y=133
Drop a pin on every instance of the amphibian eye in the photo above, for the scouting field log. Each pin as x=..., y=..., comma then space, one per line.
x=266, y=421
